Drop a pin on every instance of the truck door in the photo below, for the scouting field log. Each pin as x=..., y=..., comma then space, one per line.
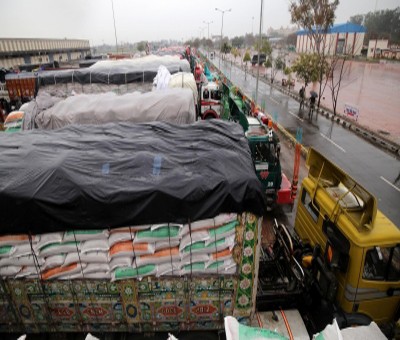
x=378, y=292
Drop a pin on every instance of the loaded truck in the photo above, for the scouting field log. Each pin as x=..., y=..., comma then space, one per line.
x=342, y=260
x=229, y=103
x=128, y=228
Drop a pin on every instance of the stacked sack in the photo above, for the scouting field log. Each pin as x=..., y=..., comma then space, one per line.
x=130, y=252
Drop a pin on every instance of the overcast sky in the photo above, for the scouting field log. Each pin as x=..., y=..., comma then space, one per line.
x=138, y=20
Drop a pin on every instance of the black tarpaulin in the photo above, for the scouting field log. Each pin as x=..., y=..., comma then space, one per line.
x=87, y=177
x=122, y=71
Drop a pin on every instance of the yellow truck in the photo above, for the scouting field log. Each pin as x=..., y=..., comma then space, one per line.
x=355, y=264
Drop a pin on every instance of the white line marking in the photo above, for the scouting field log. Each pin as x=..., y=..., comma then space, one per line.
x=275, y=101
x=296, y=116
x=330, y=140
x=392, y=185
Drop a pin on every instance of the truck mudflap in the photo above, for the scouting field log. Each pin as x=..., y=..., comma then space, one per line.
x=284, y=193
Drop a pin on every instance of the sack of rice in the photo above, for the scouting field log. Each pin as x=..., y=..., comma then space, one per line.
x=161, y=256
x=53, y=261
x=49, y=238
x=193, y=237
x=123, y=261
x=117, y=237
x=6, y=251
x=85, y=235
x=193, y=268
x=28, y=272
x=168, y=268
x=202, y=247
x=12, y=240
x=96, y=267
x=166, y=244
x=127, y=248
x=225, y=230
x=27, y=260
x=59, y=248
x=133, y=272
x=10, y=270
x=209, y=223
x=161, y=233
x=90, y=257
x=56, y=272
x=24, y=249
x=221, y=255
x=195, y=257
x=94, y=245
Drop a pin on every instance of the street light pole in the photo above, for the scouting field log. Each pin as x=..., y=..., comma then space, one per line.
x=259, y=48
x=208, y=36
x=115, y=29
x=222, y=26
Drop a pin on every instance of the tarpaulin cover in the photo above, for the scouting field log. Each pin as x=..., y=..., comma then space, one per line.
x=99, y=176
x=122, y=71
x=171, y=105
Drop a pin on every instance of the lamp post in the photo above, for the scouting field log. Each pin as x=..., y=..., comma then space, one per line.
x=222, y=26
x=252, y=26
x=259, y=48
x=208, y=36
x=115, y=29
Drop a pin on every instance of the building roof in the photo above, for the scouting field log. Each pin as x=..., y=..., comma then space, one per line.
x=347, y=27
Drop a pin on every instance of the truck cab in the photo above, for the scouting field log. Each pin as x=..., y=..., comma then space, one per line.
x=210, y=101
x=265, y=147
x=356, y=248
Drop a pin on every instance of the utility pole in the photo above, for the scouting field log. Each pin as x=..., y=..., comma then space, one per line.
x=222, y=26
x=259, y=48
x=115, y=29
x=208, y=36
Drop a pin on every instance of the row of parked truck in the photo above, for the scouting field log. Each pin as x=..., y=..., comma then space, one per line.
x=78, y=175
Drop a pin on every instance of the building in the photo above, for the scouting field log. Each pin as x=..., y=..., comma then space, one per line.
x=381, y=48
x=15, y=52
x=345, y=38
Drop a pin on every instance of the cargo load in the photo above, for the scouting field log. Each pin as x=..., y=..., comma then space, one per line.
x=172, y=105
x=96, y=217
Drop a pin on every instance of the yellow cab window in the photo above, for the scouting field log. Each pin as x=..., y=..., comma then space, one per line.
x=382, y=264
x=313, y=209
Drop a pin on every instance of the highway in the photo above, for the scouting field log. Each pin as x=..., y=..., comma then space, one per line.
x=372, y=167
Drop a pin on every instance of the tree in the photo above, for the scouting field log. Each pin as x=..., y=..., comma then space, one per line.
x=384, y=24
x=265, y=47
x=237, y=42
x=307, y=68
x=235, y=52
x=226, y=48
x=357, y=19
x=287, y=71
x=249, y=40
x=246, y=59
x=141, y=46
x=316, y=17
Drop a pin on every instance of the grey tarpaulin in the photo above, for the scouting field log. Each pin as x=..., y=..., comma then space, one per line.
x=171, y=105
x=99, y=176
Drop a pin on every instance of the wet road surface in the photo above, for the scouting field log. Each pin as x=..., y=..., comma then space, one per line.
x=371, y=167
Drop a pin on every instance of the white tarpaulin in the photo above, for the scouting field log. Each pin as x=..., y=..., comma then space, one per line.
x=172, y=105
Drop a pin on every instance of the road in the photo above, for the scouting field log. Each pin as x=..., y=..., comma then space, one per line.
x=370, y=166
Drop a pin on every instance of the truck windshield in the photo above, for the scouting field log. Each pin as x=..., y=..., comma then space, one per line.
x=263, y=152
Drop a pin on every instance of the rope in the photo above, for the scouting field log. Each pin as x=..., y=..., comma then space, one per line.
x=41, y=284
x=287, y=325
x=85, y=281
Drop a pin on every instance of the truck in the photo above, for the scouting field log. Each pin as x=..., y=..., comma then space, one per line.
x=229, y=103
x=342, y=258
x=93, y=185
